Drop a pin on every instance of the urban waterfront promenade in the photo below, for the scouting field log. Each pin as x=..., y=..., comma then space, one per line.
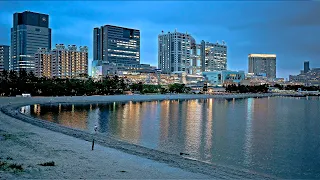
x=29, y=141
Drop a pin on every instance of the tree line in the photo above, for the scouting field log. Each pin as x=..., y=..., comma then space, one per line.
x=264, y=88
x=296, y=87
x=247, y=89
x=14, y=83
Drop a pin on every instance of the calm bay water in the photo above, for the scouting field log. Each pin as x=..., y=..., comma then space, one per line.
x=278, y=136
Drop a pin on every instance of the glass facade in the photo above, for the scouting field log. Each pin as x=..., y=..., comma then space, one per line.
x=29, y=33
x=219, y=78
x=96, y=69
x=117, y=45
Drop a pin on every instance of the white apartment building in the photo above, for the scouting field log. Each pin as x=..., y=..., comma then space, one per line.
x=175, y=52
x=213, y=56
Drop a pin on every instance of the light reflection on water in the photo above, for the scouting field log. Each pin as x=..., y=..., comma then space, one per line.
x=278, y=136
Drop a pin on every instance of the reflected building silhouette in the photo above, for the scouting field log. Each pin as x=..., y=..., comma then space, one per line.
x=129, y=121
x=248, y=134
x=150, y=124
x=164, y=123
x=193, y=126
x=206, y=130
x=77, y=118
x=36, y=109
x=172, y=126
x=25, y=110
x=219, y=121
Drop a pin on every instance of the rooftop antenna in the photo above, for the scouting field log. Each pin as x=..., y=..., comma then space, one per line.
x=175, y=30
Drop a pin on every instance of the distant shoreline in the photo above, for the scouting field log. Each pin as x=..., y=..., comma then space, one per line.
x=150, y=96
x=175, y=160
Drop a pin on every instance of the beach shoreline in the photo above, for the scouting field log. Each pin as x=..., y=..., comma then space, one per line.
x=9, y=106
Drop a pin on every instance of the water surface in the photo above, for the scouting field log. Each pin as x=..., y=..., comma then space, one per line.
x=278, y=135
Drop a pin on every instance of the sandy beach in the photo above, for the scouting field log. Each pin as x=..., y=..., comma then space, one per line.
x=30, y=142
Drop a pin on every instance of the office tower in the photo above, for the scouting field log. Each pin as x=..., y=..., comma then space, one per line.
x=118, y=45
x=4, y=57
x=175, y=52
x=263, y=64
x=213, y=56
x=306, y=67
x=62, y=62
x=30, y=31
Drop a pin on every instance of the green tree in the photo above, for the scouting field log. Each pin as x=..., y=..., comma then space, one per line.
x=177, y=88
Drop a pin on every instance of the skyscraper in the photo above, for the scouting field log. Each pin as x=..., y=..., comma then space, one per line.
x=262, y=64
x=43, y=59
x=175, y=52
x=62, y=62
x=306, y=67
x=213, y=56
x=118, y=45
x=4, y=57
x=30, y=31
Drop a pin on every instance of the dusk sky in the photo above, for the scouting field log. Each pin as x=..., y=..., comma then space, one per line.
x=289, y=29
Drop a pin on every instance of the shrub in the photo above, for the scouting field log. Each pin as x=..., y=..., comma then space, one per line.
x=51, y=163
x=15, y=167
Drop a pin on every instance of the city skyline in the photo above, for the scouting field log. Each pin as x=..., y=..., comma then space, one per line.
x=290, y=33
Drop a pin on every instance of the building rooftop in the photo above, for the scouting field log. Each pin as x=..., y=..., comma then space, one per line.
x=109, y=25
x=262, y=55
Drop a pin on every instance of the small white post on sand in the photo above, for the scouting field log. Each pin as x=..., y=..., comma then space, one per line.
x=95, y=128
x=95, y=132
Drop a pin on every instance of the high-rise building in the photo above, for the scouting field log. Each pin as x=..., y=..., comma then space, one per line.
x=306, y=67
x=4, y=57
x=262, y=64
x=213, y=56
x=118, y=45
x=30, y=32
x=62, y=62
x=43, y=59
x=176, y=52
